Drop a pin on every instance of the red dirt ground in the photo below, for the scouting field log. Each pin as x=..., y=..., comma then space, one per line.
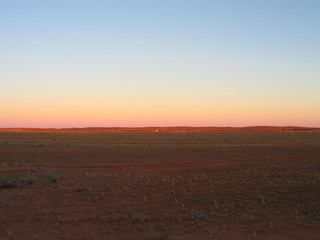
x=195, y=185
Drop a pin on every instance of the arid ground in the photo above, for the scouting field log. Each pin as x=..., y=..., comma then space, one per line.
x=160, y=184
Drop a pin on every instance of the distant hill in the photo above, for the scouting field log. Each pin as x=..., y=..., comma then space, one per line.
x=179, y=129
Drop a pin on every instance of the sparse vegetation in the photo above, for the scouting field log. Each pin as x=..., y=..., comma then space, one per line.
x=28, y=179
x=52, y=176
x=4, y=181
x=38, y=145
x=92, y=176
x=188, y=189
x=81, y=190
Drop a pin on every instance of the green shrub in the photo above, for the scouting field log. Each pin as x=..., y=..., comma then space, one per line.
x=92, y=176
x=4, y=180
x=52, y=176
x=38, y=145
x=28, y=179
x=81, y=190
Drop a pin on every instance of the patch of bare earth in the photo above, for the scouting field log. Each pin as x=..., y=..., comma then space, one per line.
x=216, y=191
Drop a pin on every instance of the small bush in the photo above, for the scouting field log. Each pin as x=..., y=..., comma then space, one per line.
x=4, y=180
x=81, y=190
x=92, y=176
x=52, y=176
x=38, y=145
x=198, y=214
x=28, y=179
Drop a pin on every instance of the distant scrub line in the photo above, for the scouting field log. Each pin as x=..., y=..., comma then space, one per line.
x=5, y=182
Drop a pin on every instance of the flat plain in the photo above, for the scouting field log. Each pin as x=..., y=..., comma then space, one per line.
x=128, y=184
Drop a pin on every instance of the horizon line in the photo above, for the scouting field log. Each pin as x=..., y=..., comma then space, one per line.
x=177, y=126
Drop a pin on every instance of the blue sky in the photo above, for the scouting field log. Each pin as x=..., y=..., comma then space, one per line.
x=138, y=63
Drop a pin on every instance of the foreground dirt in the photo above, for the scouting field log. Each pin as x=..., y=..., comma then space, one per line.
x=168, y=186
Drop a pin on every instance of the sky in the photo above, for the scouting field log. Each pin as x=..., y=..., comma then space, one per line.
x=77, y=63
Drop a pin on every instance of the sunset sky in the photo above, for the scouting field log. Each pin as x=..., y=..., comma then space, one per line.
x=76, y=63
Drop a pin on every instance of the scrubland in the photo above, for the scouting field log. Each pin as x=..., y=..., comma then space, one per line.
x=234, y=185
